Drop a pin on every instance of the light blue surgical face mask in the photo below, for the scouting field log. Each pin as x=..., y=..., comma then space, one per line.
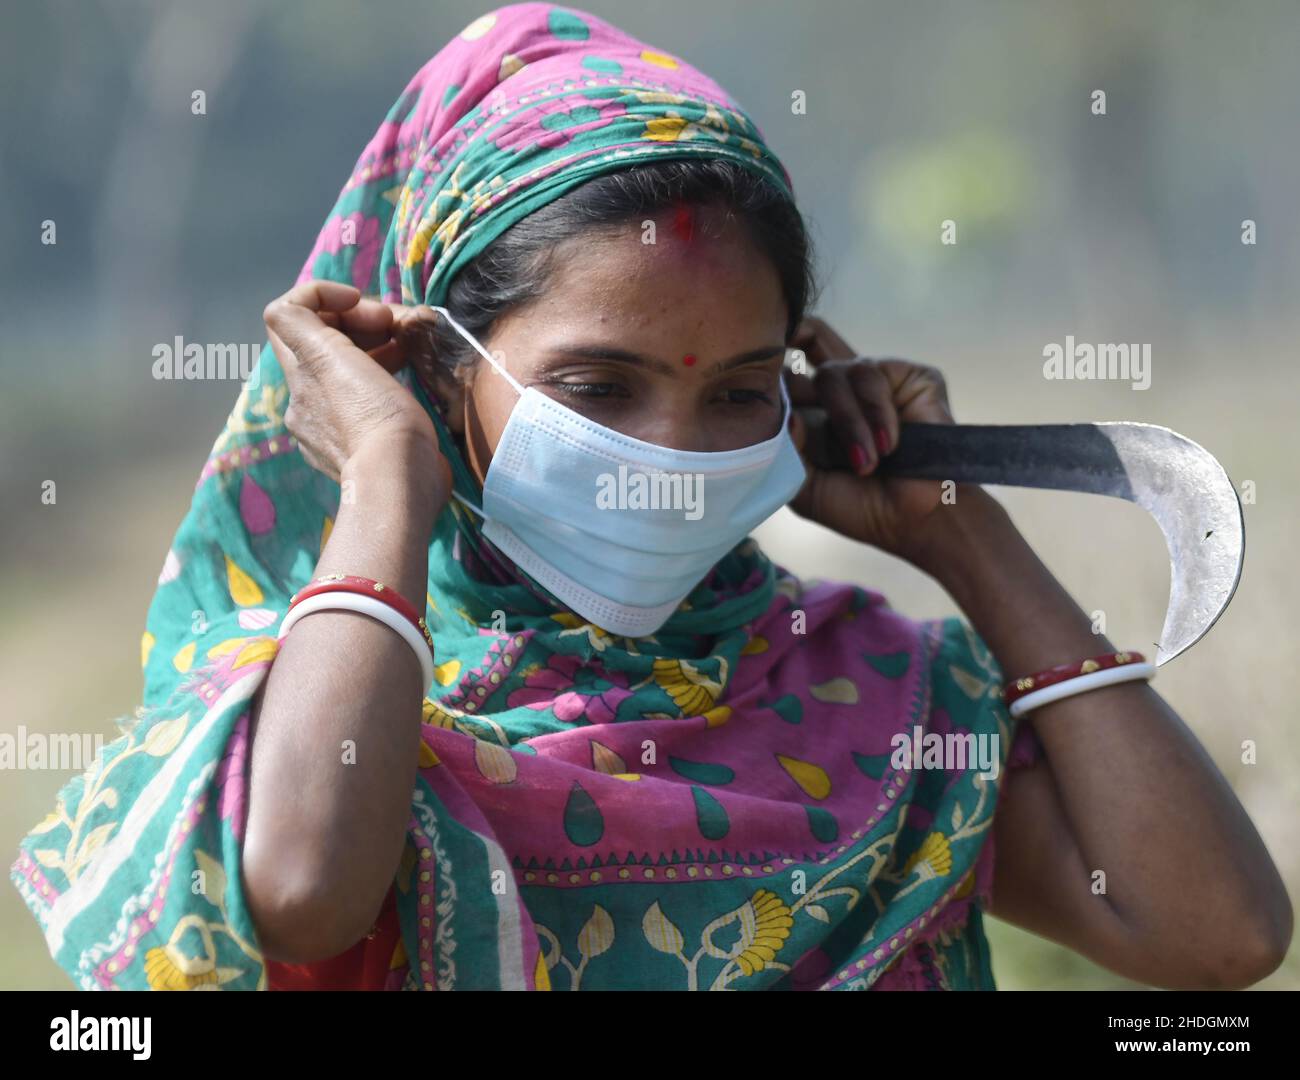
x=617, y=529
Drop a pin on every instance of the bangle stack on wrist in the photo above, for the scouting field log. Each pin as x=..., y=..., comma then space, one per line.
x=348, y=592
x=1065, y=680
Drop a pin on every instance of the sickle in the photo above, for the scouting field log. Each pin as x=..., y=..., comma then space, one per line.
x=1177, y=482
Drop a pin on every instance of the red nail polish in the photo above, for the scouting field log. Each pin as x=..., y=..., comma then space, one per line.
x=882, y=440
x=858, y=455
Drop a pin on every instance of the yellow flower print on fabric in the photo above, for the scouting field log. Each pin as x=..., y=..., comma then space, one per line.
x=667, y=129
x=692, y=692
x=934, y=853
x=169, y=968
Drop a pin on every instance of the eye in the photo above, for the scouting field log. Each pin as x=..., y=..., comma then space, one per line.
x=743, y=396
x=587, y=390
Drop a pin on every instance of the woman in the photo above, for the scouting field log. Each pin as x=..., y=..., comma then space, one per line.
x=646, y=756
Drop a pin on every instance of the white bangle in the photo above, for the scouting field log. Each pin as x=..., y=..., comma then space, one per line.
x=376, y=609
x=1079, y=683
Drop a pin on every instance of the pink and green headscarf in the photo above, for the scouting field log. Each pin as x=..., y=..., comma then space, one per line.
x=714, y=806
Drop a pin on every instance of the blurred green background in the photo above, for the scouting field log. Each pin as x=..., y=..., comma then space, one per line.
x=1117, y=228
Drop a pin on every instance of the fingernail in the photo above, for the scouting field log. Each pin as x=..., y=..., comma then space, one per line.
x=858, y=455
x=882, y=440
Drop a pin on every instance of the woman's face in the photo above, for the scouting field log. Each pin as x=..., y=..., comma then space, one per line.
x=680, y=342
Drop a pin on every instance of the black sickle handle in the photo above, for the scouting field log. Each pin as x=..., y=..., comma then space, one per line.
x=1074, y=457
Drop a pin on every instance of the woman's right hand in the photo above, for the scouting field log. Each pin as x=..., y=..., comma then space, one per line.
x=339, y=352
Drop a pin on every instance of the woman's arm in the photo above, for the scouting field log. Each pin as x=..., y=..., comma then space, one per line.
x=1192, y=897
x=336, y=725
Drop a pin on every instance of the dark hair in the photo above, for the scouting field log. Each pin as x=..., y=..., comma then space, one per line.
x=516, y=267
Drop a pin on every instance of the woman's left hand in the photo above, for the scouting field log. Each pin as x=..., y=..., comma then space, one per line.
x=866, y=401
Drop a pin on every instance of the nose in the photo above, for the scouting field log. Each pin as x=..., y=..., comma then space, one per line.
x=672, y=427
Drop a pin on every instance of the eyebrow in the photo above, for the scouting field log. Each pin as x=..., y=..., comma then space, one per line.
x=609, y=352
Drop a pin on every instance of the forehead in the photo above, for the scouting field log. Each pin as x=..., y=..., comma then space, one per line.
x=687, y=257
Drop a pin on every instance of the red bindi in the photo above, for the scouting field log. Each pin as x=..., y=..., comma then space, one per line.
x=688, y=360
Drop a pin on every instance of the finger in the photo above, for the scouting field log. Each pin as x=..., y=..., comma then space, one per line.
x=846, y=417
x=367, y=340
x=417, y=321
x=297, y=315
x=876, y=397
x=820, y=343
x=323, y=295
x=416, y=329
x=301, y=331
x=919, y=392
x=288, y=362
x=369, y=318
x=369, y=324
x=391, y=356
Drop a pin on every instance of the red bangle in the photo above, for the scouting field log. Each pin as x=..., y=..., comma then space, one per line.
x=1018, y=688
x=366, y=587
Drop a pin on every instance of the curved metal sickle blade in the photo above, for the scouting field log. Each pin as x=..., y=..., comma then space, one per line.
x=1183, y=486
x=1177, y=481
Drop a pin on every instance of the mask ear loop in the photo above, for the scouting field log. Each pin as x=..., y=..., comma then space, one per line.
x=481, y=351
x=500, y=370
x=788, y=413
